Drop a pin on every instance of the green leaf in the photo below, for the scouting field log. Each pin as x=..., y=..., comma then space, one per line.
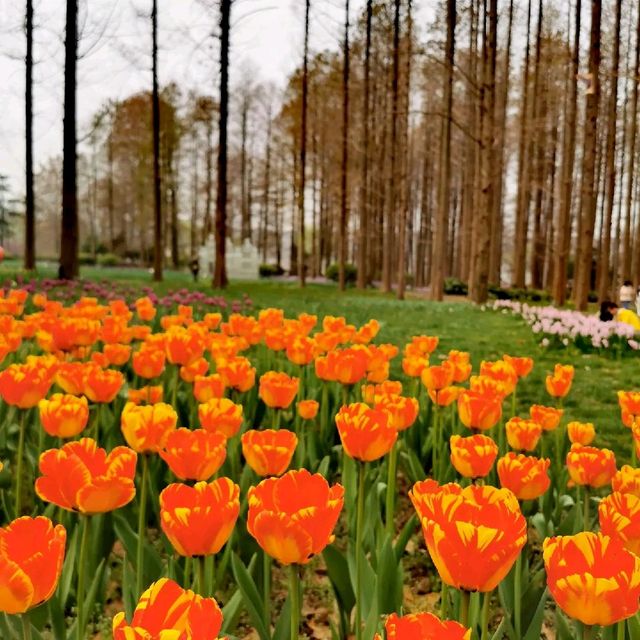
x=535, y=626
x=153, y=568
x=389, y=580
x=252, y=600
x=338, y=572
x=89, y=600
x=282, y=630
x=404, y=536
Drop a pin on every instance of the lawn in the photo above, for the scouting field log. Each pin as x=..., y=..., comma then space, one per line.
x=486, y=334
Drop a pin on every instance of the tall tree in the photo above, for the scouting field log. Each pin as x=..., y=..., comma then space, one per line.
x=344, y=181
x=589, y=187
x=363, y=231
x=158, y=245
x=604, y=281
x=303, y=146
x=563, y=237
x=439, y=257
x=69, y=239
x=220, y=268
x=30, y=214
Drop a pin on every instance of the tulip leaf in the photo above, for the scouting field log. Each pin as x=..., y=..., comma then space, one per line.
x=373, y=616
x=633, y=624
x=282, y=630
x=389, y=577
x=535, y=626
x=89, y=600
x=152, y=562
x=338, y=572
x=404, y=536
x=68, y=568
x=56, y=616
x=563, y=630
x=500, y=631
x=252, y=600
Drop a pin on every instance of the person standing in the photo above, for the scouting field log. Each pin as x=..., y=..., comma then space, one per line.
x=627, y=294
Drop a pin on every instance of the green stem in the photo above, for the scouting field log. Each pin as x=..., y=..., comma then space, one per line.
x=587, y=515
x=82, y=572
x=391, y=489
x=621, y=630
x=142, y=524
x=587, y=632
x=345, y=394
x=266, y=588
x=485, y=616
x=465, y=596
x=294, y=590
x=514, y=401
x=188, y=561
x=517, y=597
x=436, y=440
x=26, y=626
x=274, y=418
x=20, y=463
x=174, y=397
x=359, y=550
x=201, y=576
x=444, y=600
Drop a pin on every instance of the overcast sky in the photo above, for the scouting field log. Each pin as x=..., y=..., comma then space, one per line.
x=115, y=56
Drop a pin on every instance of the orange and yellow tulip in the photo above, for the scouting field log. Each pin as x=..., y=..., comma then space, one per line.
x=445, y=397
x=148, y=395
x=423, y=626
x=461, y=364
x=403, y=411
x=102, y=385
x=292, y=517
x=148, y=362
x=558, y=383
x=619, y=515
x=367, y=434
x=198, y=520
x=237, y=373
x=117, y=354
x=548, y=417
x=269, y=452
x=371, y=393
x=582, y=433
x=183, y=346
x=24, y=385
x=523, y=435
x=473, y=535
x=221, y=414
x=278, y=390
x=80, y=476
x=626, y=480
x=64, y=416
x=473, y=457
x=501, y=371
x=166, y=610
x=207, y=387
x=629, y=402
x=146, y=428
x=591, y=466
x=521, y=365
x=189, y=372
x=438, y=376
x=479, y=411
x=308, y=409
x=527, y=477
x=31, y=557
x=194, y=455
x=592, y=577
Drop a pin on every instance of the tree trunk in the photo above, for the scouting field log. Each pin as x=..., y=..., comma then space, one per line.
x=220, y=269
x=158, y=252
x=245, y=233
x=30, y=214
x=69, y=240
x=589, y=191
x=303, y=147
x=444, y=187
x=604, y=280
x=344, y=171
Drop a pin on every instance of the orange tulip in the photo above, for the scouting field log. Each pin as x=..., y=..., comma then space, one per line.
x=629, y=402
x=445, y=397
x=489, y=386
x=148, y=395
x=64, y=416
x=237, y=373
x=207, y=387
x=300, y=350
x=212, y=320
x=292, y=517
x=308, y=409
x=423, y=345
x=24, y=385
x=626, y=480
x=102, y=385
x=146, y=428
x=423, y=626
x=166, y=610
x=461, y=365
x=403, y=411
x=619, y=515
x=81, y=477
x=592, y=577
x=31, y=557
x=70, y=377
x=371, y=393
x=221, y=414
x=548, y=417
x=523, y=435
x=148, y=362
x=501, y=371
x=117, y=354
x=277, y=390
x=474, y=456
x=198, y=520
x=367, y=434
x=183, y=345
x=437, y=377
x=591, y=466
x=194, y=455
x=350, y=364
x=527, y=477
x=413, y=366
x=521, y=365
x=197, y=368
x=474, y=535
x=269, y=452
x=480, y=411
x=581, y=432
x=145, y=309
x=559, y=383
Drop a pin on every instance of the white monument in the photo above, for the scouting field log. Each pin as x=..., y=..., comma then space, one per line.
x=243, y=261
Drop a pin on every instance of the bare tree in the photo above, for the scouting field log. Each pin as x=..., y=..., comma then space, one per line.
x=344, y=181
x=30, y=214
x=158, y=252
x=303, y=146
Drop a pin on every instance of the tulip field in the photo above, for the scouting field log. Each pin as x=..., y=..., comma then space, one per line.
x=181, y=466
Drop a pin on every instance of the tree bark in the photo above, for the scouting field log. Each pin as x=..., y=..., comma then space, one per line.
x=303, y=147
x=69, y=240
x=158, y=252
x=220, y=269
x=30, y=214
x=589, y=189
x=344, y=171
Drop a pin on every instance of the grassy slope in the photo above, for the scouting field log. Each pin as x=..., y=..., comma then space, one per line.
x=460, y=325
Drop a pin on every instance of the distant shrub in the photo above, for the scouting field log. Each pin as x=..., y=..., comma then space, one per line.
x=455, y=287
x=86, y=258
x=270, y=270
x=350, y=272
x=108, y=260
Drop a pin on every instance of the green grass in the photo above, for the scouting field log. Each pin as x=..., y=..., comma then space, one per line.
x=485, y=334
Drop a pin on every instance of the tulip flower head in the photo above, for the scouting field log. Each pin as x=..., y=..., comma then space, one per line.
x=147, y=427
x=308, y=409
x=403, y=411
x=64, y=416
x=619, y=515
x=292, y=517
x=24, y=385
x=592, y=577
x=423, y=626
x=626, y=480
x=521, y=365
x=479, y=411
x=590, y=466
x=278, y=390
x=194, y=455
x=582, y=433
x=269, y=452
x=548, y=417
x=473, y=456
x=523, y=435
x=559, y=382
x=525, y=476
x=221, y=414
x=367, y=434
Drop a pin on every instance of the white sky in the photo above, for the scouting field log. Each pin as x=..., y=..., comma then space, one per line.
x=115, y=56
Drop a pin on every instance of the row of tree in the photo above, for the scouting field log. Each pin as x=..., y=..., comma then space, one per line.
x=497, y=144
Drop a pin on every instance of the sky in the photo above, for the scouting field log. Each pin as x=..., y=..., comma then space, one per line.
x=115, y=61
